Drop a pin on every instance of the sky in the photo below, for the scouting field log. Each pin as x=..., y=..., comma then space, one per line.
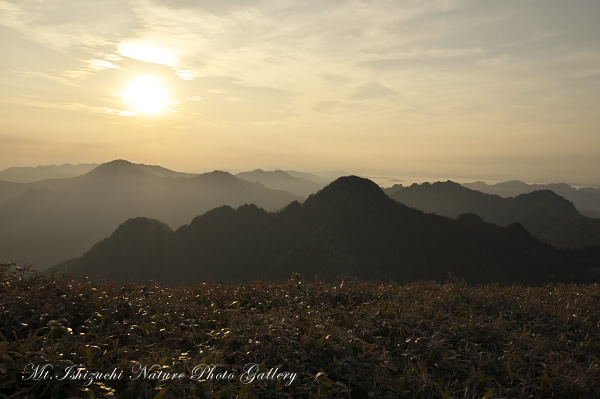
x=473, y=89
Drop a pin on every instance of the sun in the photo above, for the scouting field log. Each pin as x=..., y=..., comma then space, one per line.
x=147, y=95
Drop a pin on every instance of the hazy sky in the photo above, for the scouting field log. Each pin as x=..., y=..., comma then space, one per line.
x=492, y=89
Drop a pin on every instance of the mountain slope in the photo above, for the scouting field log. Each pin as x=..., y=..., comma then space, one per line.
x=29, y=174
x=320, y=180
x=348, y=228
x=121, y=167
x=281, y=180
x=10, y=190
x=56, y=219
x=586, y=199
x=546, y=215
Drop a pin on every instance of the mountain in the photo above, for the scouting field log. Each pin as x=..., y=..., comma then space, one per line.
x=29, y=174
x=321, y=180
x=588, y=258
x=52, y=220
x=586, y=199
x=592, y=214
x=121, y=167
x=543, y=213
x=350, y=227
x=10, y=190
x=280, y=180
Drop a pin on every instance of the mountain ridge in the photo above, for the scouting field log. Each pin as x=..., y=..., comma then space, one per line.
x=585, y=199
x=30, y=174
x=279, y=179
x=544, y=213
x=55, y=219
x=350, y=227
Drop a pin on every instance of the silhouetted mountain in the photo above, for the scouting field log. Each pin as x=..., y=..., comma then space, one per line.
x=51, y=220
x=281, y=180
x=585, y=199
x=148, y=242
x=29, y=174
x=546, y=215
x=348, y=228
x=589, y=258
x=593, y=214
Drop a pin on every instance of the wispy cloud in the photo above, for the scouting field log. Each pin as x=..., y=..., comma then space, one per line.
x=54, y=78
x=88, y=68
x=372, y=90
x=66, y=106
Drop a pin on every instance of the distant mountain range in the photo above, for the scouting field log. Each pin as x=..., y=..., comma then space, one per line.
x=586, y=199
x=543, y=213
x=53, y=220
x=298, y=183
x=280, y=180
x=30, y=174
x=351, y=228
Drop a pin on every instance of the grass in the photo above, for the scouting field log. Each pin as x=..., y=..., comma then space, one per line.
x=348, y=339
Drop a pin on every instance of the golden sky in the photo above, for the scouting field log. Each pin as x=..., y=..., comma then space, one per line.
x=457, y=88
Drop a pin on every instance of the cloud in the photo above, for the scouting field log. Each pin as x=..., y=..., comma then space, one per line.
x=65, y=106
x=58, y=79
x=585, y=73
x=325, y=106
x=8, y=139
x=535, y=37
x=187, y=74
x=64, y=24
x=148, y=51
x=502, y=61
x=372, y=90
x=218, y=7
x=267, y=43
x=436, y=56
x=88, y=68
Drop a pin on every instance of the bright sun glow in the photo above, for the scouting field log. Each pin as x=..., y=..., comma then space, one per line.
x=147, y=95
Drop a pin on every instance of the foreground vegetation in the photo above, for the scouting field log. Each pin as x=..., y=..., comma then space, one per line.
x=349, y=339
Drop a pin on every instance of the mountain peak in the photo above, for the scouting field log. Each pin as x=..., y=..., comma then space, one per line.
x=355, y=188
x=118, y=167
x=117, y=163
x=217, y=176
x=140, y=225
x=550, y=199
x=218, y=173
x=353, y=184
x=545, y=195
x=447, y=183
